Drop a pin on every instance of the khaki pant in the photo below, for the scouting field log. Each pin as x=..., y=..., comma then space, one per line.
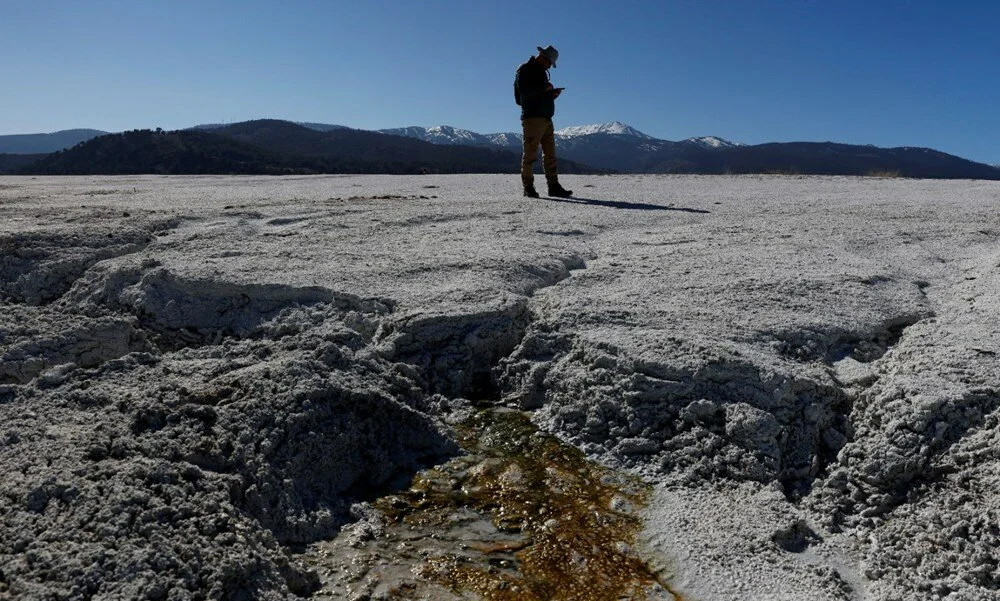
x=538, y=130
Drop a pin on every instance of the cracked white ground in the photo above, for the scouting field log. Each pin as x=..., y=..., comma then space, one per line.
x=200, y=375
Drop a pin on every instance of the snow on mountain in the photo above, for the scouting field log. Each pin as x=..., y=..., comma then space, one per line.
x=413, y=131
x=614, y=128
x=712, y=142
x=440, y=134
x=446, y=134
x=621, y=146
x=453, y=133
x=506, y=138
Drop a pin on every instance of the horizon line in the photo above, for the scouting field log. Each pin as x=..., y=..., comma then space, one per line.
x=300, y=122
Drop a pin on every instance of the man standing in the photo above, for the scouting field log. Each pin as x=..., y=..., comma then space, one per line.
x=537, y=98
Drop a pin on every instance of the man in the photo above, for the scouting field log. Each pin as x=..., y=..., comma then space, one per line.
x=537, y=98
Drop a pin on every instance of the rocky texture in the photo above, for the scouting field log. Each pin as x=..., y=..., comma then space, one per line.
x=185, y=472
x=37, y=267
x=742, y=540
x=199, y=375
x=42, y=338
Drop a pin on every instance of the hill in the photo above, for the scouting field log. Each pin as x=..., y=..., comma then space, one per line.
x=10, y=163
x=404, y=154
x=146, y=151
x=272, y=147
x=45, y=143
x=316, y=126
x=829, y=158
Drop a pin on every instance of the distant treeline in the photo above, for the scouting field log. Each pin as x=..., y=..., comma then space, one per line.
x=12, y=163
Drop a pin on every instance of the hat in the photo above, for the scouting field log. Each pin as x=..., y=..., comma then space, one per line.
x=550, y=53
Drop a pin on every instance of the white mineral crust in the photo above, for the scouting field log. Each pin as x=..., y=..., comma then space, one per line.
x=198, y=374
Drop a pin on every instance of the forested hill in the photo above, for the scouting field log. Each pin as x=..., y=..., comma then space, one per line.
x=273, y=147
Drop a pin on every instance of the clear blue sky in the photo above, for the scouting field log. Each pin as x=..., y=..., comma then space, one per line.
x=884, y=72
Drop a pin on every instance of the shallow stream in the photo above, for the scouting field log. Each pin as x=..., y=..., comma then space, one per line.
x=519, y=516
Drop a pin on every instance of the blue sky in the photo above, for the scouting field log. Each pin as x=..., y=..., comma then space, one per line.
x=890, y=73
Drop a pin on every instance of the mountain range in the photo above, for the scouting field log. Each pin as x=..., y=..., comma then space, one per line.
x=445, y=134
x=273, y=146
x=623, y=148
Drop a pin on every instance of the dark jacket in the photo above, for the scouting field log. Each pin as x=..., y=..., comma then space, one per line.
x=530, y=90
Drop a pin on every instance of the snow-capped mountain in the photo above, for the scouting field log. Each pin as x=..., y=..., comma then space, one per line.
x=506, y=139
x=440, y=134
x=713, y=142
x=614, y=128
x=613, y=145
x=446, y=134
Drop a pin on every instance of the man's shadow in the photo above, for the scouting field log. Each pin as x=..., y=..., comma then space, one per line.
x=617, y=204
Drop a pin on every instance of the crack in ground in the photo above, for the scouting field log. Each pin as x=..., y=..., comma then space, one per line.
x=831, y=346
x=729, y=419
x=458, y=353
x=248, y=413
x=518, y=515
x=37, y=268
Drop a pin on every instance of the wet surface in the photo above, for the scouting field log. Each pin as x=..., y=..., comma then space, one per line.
x=520, y=516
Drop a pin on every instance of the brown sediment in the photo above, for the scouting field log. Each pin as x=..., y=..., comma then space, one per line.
x=489, y=548
x=575, y=521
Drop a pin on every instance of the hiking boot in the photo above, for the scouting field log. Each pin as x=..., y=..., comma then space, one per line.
x=558, y=191
x=530, y=192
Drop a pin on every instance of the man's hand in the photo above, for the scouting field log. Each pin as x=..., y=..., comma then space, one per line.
x=557, y=91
